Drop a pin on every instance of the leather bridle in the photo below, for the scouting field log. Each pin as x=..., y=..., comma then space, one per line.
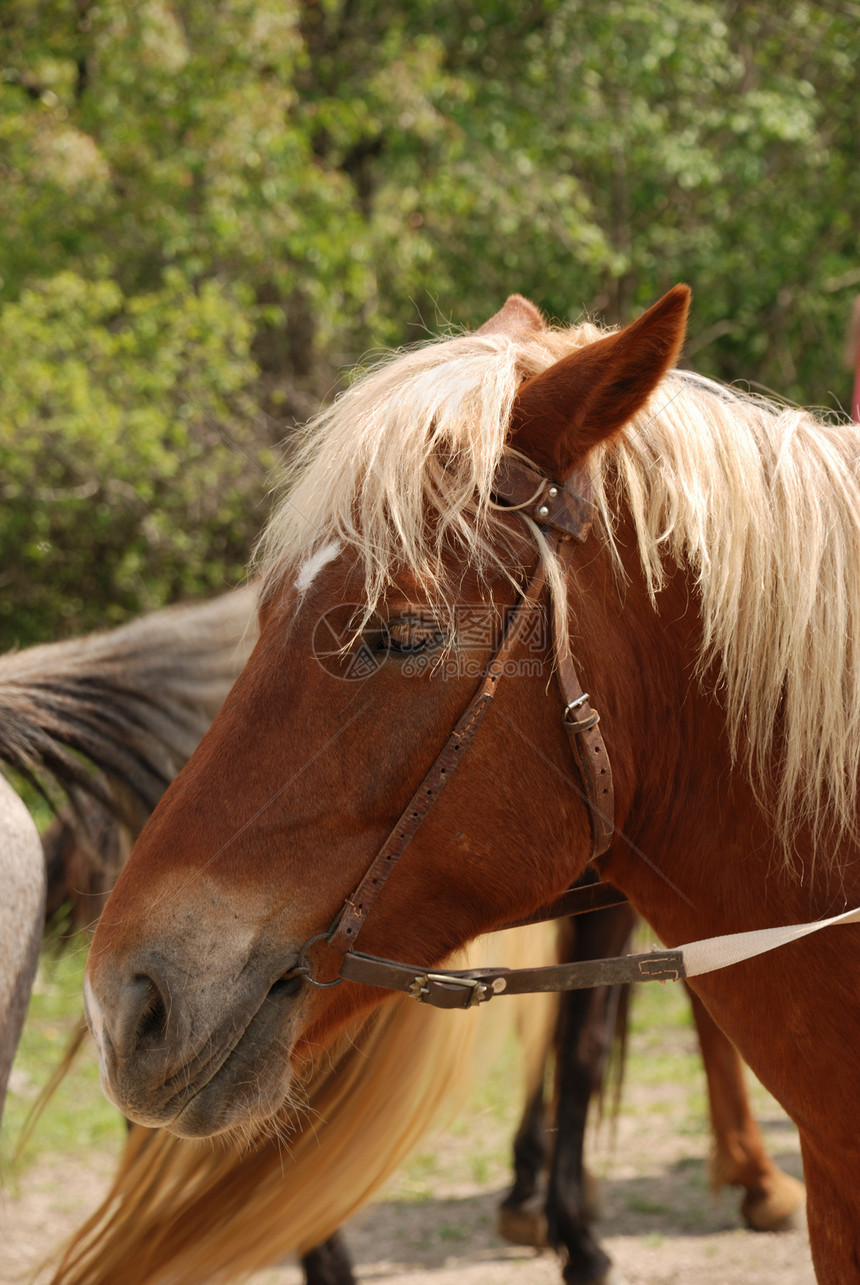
x=565, y=513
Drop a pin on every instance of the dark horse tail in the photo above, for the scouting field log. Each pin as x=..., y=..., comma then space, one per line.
x=114, y=716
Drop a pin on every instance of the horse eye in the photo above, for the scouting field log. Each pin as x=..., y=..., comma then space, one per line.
x=411, y=634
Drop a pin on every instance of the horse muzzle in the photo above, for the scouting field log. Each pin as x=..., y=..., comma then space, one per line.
x=195, y=1060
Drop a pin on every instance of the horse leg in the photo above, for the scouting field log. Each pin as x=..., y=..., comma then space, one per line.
x=587, y=1025
x=583, y=1013
x=522, y=1218
x=329, y=1263
x=772, y=1198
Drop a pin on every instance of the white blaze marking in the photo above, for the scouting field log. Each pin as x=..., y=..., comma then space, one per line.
x=315, y=564
x=93, y=1013
x=95, y=1018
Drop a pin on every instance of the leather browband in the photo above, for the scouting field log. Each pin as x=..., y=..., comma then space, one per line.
x=565, y=507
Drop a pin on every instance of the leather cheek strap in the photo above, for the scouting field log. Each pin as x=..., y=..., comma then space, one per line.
x=358, y=906
x=568, y=514
x=581, y=722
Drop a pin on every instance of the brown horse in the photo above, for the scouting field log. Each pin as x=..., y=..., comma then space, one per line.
x=135, y=701
x=713, y=610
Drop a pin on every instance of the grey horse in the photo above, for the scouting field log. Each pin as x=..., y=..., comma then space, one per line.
x=22, y=910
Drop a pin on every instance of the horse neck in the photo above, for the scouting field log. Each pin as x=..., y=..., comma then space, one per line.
x=638, y=662
x=665, y=734
x=694, y=835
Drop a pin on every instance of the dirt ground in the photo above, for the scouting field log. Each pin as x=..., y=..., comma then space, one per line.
x=659, y=1224
x=436, y=1225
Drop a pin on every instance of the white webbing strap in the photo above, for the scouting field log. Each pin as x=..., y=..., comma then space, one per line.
x=718, y=952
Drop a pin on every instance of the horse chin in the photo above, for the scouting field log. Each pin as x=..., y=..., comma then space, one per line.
x=238, y=1110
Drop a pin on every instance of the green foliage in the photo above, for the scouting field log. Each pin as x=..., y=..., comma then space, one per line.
x=119, y=489
x=209, y=209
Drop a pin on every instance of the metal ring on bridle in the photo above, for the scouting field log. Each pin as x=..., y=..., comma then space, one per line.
x=524, y=504
x=302, y=968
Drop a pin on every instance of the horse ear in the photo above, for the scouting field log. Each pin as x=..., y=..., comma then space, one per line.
x=515, y=317
x=560, y=414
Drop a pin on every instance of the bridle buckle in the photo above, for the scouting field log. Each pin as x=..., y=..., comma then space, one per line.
x=577, y=725
x=420, y=987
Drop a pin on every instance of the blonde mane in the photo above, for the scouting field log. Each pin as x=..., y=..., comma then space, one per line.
x=400, y=467
x=760, y=503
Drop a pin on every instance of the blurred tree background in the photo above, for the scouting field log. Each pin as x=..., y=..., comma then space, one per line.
x=210, y=208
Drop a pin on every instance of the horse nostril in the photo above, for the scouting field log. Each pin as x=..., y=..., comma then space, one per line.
x=152, y=1011
x=286, y=986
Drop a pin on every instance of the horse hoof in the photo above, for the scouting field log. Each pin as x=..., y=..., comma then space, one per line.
x=780, y=1209
x=524, y=1224
x=594, y=1274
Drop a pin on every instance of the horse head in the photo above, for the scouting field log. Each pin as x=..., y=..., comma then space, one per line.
x=391, y=570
